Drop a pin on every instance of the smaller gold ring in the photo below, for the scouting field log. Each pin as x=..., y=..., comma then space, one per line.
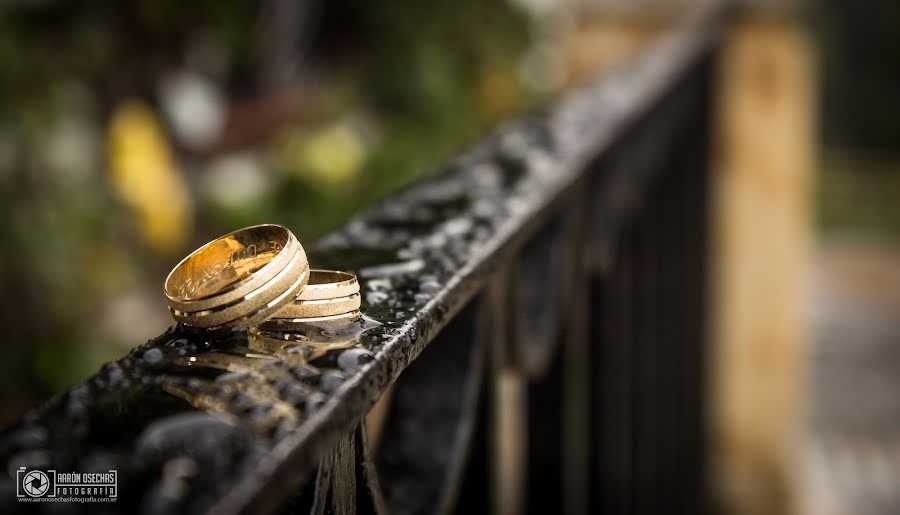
x=329, y=284
x=320, y=308
x=287, y=325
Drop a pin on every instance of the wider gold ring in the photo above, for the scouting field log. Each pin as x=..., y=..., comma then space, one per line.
x=241, y=278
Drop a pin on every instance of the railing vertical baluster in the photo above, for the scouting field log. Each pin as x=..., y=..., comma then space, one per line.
x=644, y=360
x=576, y=350
x=612, y=413
x=670, y=341
x=426, y=441
x=509, y=413
x=695, y=170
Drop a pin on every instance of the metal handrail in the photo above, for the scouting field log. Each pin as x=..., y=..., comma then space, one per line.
x=494, y=261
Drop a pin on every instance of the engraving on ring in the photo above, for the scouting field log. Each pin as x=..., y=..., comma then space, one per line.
x=234, y=268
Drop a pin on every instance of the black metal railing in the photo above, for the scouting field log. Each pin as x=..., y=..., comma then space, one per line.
x=533, y=327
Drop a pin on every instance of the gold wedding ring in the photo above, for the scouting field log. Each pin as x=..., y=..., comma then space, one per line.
x=329, y=284
x=328, y=294
x=240, y=279
x=320, y=308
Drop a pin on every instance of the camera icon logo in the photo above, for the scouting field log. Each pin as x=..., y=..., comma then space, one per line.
x=36, y=483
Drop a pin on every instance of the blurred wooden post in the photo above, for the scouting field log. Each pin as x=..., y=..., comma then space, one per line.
x=762, y=233
x=762, y=238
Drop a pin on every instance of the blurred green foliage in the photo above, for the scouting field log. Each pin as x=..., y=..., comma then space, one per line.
x=859, y=197
x=858, y=191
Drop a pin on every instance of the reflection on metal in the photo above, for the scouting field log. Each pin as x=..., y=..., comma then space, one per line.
x=600, y=338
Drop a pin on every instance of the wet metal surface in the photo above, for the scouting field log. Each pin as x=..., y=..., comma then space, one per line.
x=238, y=422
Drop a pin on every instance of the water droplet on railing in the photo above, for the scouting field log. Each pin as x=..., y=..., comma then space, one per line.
x=232, y=376
x=376, y=297
x=152, y=356
x=331, y=381
x=351, y=359
x=315, y=401
x=293, y=393
x=405, y=267
x=180, y=431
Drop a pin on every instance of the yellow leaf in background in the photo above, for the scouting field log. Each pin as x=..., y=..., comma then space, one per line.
x=499, y=92
x=146, y=177
x=335, y=154
x=329, y=157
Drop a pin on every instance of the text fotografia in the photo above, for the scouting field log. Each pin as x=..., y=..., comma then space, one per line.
x=37, y=485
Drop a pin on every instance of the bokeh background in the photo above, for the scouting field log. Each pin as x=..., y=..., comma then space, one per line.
x=133, y=131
